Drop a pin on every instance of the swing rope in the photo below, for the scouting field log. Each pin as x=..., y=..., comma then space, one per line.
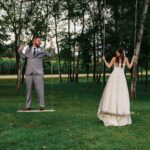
x=51, y=85
x=51, y=89
x=135, y=26
x=104, y=28
x=104, y=40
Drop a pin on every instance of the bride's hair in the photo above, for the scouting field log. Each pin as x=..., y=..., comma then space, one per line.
x=122, y=56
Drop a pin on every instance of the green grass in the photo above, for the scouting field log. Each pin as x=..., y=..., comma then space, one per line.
x=74, y=125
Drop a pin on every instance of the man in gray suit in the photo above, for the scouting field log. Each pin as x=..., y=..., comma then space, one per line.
x=34, y=70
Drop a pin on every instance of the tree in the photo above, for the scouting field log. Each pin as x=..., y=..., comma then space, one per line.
x=17, y=15
x=138, y=46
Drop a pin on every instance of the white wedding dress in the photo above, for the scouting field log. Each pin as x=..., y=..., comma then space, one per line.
x=114, y=107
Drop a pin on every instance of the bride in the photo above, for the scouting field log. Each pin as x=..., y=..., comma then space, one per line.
x=114, y=107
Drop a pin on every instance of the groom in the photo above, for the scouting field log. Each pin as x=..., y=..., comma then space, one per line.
x=34, y=70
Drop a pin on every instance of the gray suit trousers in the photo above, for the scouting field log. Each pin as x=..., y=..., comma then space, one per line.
x=37, y=81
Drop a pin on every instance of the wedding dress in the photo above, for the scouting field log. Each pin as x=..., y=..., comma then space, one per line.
x=114, y=107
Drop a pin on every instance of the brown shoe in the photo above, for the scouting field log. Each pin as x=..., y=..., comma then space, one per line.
x=41, y=108
x=27, y=109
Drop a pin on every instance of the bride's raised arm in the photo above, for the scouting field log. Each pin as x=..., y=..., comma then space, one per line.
x=129, y=65
x=109, y=65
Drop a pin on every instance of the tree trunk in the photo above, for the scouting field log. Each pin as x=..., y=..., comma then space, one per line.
x=74, y=56
x=17, y=44
x=141, y=74
x=146, y=74
x=137, y=48
x=94, y=58
x=100, y=35
x=78, y=57
x=93, y=14
x=18, y=65
x=69, y=44
x=23, y=70
x=77, y=65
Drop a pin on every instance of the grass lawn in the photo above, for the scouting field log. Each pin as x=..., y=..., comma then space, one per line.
x=74, y=125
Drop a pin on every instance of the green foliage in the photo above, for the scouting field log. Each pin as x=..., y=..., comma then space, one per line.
x=7, y=66
x=76, y=21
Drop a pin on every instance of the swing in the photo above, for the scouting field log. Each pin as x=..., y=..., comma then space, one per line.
x=28, y=111
x=104, y=38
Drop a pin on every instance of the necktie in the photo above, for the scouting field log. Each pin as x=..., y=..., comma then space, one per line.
x=34, y=51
